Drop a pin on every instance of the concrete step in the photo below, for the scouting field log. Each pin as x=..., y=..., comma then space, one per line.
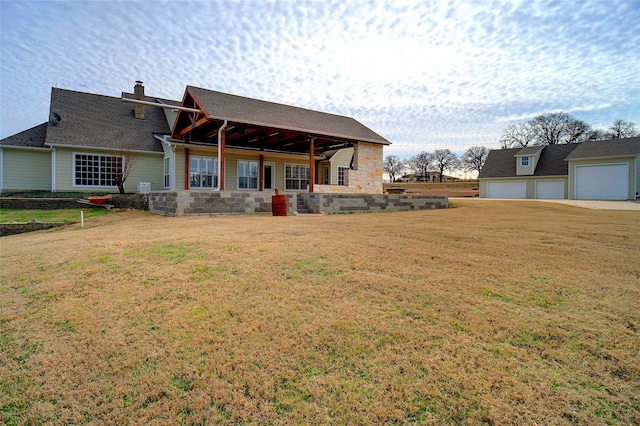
x=301, y=206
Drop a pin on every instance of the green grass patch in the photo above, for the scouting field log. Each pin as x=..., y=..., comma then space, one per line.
x=67, y=216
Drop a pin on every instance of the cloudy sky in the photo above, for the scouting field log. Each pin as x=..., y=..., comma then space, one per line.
x=423, y=74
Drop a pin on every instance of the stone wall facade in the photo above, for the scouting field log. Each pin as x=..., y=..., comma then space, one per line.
x=365, y=177
x=205, y=203
x=195, y=203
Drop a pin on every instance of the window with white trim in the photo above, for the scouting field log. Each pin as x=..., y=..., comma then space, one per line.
x=341, y=171
x=247, y=174
x=203, y=172
x=166, y=172
x=296, y=177
x=96, y=169
x=524, y=161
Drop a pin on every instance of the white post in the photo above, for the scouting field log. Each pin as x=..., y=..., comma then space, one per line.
x=82, y=218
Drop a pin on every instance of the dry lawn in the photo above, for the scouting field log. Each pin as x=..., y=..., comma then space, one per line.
x=493, y=312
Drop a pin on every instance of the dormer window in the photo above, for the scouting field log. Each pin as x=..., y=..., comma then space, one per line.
x=524, y=161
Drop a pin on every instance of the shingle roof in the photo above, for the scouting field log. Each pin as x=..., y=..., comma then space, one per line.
x=530, y=150
x=604, y=149
x=551, y=162
x=500, y=162
x=239, y=109
x=90, y=120
x=31, y=138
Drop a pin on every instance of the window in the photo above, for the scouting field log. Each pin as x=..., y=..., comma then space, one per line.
x=296, y=177
x=203, y=172
x=247, y=174
x=96, y=169
x=524, y=161
x=166, y=172
x=341, y=180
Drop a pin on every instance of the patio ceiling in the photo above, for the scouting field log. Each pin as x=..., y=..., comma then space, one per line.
x=260, y=138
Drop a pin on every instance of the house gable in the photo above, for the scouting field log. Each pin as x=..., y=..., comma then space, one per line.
x=527, y=160
x=256, y=124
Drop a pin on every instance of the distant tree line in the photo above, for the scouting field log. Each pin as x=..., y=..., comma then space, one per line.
x=546, y=129
x=561, y=128
x=439, y=161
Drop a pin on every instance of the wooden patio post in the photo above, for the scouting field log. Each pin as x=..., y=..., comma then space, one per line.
x=261, y=173
x=312, y=164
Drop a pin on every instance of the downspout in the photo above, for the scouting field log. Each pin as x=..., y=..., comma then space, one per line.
x=53, y=169
x=221, y=144
x=1, y=170
x=172, y=167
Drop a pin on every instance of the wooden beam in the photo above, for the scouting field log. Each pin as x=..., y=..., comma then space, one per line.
x=192, y=126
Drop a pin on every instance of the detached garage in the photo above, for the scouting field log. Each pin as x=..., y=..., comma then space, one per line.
x=592, y=170
x=530, y=172
x=602, y=182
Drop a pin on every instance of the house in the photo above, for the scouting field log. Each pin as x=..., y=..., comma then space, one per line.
x=592, y=170
x=209, y=141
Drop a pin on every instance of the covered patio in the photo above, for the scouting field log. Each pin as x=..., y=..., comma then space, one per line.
x=226, y=122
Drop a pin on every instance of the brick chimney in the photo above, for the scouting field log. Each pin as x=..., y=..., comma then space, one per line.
x=138, y=93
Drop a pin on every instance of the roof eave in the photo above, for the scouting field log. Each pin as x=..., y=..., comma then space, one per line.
x=101, y=148
x=602, y=157
x=28, y=148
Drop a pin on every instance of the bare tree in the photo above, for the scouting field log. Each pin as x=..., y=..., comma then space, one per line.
x=393, y=166
x=622, y=129
x=598, y=135
x=576, y=130
x=517, y=136
x=421, y=163
x=445, y=160
x=559, y=128
x=126, y=159
x=473, y=158
x=546, y=129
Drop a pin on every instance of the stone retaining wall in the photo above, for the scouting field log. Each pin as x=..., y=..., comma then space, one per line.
x=13, y=228
x=183, y=202
x=194, y=203
x=351, y=203
x=121, y=201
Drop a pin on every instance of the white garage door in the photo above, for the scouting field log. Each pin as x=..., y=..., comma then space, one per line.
x=550, y=189
x=606, y=182
x=517, y=189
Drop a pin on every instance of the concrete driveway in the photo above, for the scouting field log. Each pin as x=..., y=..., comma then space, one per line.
x=587, y=204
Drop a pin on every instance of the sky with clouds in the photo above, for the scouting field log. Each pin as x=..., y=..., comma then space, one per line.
x=425, y=74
